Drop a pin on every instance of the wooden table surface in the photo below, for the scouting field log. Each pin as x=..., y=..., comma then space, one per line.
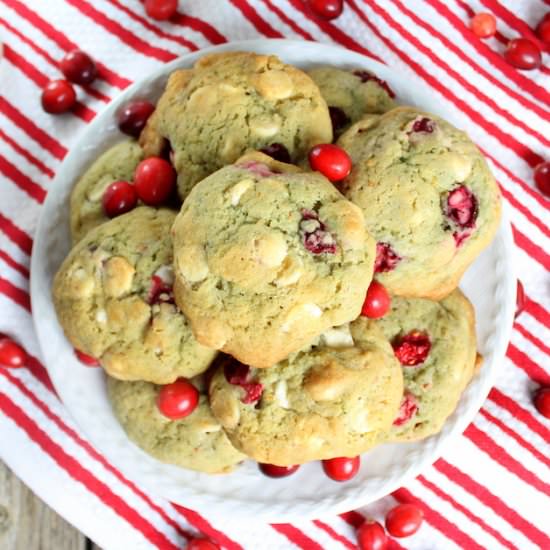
x=26, y=523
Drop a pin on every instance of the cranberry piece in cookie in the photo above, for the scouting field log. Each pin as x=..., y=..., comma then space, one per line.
x=386, y=258
x=338, y=118
x=239, y=375
x=412, y=349
x=423, y=125
x=365, y=76
x=316, y=237
x=407, y=409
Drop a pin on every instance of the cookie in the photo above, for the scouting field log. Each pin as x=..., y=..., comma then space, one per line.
x=230, y=103
x=267, y=257
x=196, y=442
x=350, y=94
x=428, y=197
x=113, y=298
x=333, y=400
x=117, y=163
x=435, y=342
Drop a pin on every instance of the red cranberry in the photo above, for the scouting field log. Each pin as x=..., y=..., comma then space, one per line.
x=120, y=197
x=161, y=10
x=377, y=301
x=338, y=118
x=271, y=470
x=386, y=258
x=365, y=76
x=88, y=360
x=133, y=117
x=78, y=67
x=407, y=409
x=278, y=152
x=372, y=536
x=462, y=207
x=542, y=177
x=424, y=125
x=413, y=348
x=543, y=29
x=201, y=544
x=58, y=97
x=178, y=399
x=523, y=54
x=332, y=161
x=154, y=180
x=483, y=25
x=404, y=520
x=12, y=355
x=327, y=9
x=521, y=300
x=341, y=468
x=316, y=237
x=542, y=401
x=239, y=375
x=160, y=292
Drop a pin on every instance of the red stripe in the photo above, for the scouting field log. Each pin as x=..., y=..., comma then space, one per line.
x=289, y=21
x=122, y=33
x=493, y=502
x=524, y=362
x=252, y=15
x=63, y=42
x=443, y=525
x=538, y=312
x=15, y=265
x=296, y=536
x=533, y=339
x=207, y=30
x=31, y=129
x=20, y=297
x=472, y=517
x=534, y=250
x=22, y=181
x=37, y=369
x=25, y=153
x=83, y=476
x=336, y=536
x=16, y=235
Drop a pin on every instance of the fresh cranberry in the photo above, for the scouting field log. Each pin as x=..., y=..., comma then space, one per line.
x=239, y=375
x=423, y=125
x=542, y=401
x=341, y=468
x=58, y=97
x=161, y=10
x=201, y=544
x=154, y=181
x=377, y=301
x=543, y=29
x=461, y=207
x=372, y=536
x=12, y=355
x=521, y=300
x=120, y=197
x=542, y=177
x=365, y=76
x=523, y=54
x=413, y=348
x=386, y=258
x=178, y=399
x=271, y=470
x=78, y=67
x=407, y=409
x=483, y=25
x=133, y=117
x=327, y=9
x=88, y=360
x=278, y=152
x=316, y=237
x=404, y=520
x=338, y=118
x=332, y=161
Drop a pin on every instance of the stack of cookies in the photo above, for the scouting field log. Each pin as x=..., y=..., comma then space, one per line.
x=233, y=321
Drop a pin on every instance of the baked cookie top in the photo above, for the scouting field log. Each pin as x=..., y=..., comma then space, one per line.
x=267, y=257
x=196, y=441
x=435, y=342
x=332, y=400
x=117, y=163
x=230, y=103
x=428, y=197
x=113, y=297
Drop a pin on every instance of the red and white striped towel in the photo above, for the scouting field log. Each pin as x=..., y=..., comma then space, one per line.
x=491, y=490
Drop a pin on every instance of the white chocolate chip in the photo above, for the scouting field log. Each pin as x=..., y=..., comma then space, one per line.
x=264, y=128
x=101, y=316
x=359, y=422
x=238, y=190
x=274, y=85
x=96, y=192
x=338, y=337
x=166, y=274
x=192, y=263
x=290, y=272
x=281, y=394
x=271, y=250
x=298, y=313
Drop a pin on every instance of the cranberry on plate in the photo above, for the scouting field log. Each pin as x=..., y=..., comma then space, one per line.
x=271, y=470
x=178, y=399
x=483, y=25
x=78, y=67
x=161, y=10
x=154, y=180
x=327, y=9
x=133, y=117
x=523, y=54
x=543, y=29
x=541, y=400
x=542, y=177
x=12, y=355
x=120, y=197
x=58, y=97
x=86, y=359
x=341, y=468
x=377, y=301
x=332, y=161
x=371, y=536
x=201, y=544
x=404, y=520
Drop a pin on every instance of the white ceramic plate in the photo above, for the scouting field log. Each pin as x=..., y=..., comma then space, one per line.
x=489, y=283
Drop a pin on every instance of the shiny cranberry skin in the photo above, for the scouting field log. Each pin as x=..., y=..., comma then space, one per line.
x=327, y=9
x=543, y=29
x=372, y=536
x=541, y=400
x=12, y=355
x=404, y=520
x=178, y=399
x=58, y=97
x=542, y=177
x=161, y=10
x=278, y=152
x=86, y=359
x=201, y=544
x=154, y=180
x=341, y=468
x=133, y=117
x=412, y=349
x=521, y=300
x=377, y=301
x=332, y=161
x=271, y=470
x=523, y=54
x=483, y=25
x=120, y=197
x=78, y=67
